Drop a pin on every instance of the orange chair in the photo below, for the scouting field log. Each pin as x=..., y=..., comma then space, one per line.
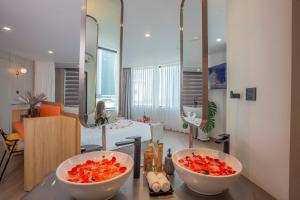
x=48, y=109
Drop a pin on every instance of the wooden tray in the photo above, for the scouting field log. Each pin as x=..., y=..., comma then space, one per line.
x=160, y=193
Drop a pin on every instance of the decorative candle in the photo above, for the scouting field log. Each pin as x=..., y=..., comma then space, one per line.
x=159, y=157
x=148, y=161
x=152, y=149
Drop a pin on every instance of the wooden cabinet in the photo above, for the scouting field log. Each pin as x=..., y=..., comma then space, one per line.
x=47, y=142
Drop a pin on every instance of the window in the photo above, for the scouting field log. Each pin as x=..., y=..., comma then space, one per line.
x=169, y=86
x=156, y=92
x=156, y=87
x=143, y=86
x=106, y=77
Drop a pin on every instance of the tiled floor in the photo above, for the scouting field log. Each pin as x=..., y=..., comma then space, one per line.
x=177, y=141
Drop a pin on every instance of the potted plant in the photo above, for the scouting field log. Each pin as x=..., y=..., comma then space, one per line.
x=210, y=123
x=32, y=101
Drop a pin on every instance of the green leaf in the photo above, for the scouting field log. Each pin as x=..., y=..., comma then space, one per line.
x=212, y=110
x=185, y=125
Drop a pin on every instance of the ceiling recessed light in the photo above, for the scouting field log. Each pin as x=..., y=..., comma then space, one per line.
x=6, y=28
x=219, y=39
x=50, y=52
x=147, y=35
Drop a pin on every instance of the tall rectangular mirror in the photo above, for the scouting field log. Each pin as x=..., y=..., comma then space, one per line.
x=217, y=64
x=194, y=67
x=203, y=66
x=102, y=60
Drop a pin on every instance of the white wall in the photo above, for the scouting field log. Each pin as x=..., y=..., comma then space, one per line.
x=218, y=95
x=259, y=55
x=9, y=84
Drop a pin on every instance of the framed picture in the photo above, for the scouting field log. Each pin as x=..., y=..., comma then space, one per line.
x=217, y=77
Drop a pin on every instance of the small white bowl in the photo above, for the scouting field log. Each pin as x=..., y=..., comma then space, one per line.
x=207, y=184
x=99, y=190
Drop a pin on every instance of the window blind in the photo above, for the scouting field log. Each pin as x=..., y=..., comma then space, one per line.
x=71, y=87
x=192, y=88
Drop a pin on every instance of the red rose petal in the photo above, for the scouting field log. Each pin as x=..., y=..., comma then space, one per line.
x=206, y=165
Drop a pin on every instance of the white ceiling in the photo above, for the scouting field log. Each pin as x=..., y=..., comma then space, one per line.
x=161, y=19
x=41, y=25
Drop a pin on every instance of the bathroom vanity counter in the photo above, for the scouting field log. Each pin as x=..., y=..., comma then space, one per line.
x=137, y=189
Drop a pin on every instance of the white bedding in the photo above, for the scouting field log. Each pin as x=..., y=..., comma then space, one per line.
x=115, y=132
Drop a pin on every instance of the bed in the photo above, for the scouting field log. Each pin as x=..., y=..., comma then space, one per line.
x=115, y=132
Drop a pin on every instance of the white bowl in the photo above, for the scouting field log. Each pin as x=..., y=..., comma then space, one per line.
x=99, y=190
x=207, y=184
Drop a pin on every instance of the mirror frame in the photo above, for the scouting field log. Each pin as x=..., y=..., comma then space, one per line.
x=83, y=7
x=204, y=57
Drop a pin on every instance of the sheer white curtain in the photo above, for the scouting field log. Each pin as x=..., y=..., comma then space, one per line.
x=44, y=79
x=156, y=91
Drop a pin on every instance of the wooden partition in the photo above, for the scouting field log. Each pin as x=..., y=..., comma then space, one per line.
x=47, y=142
x=16, y=114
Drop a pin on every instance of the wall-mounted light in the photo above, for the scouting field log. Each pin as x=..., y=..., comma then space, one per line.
x=21, y=71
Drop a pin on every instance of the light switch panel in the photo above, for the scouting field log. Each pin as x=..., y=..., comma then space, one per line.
x=251, y=94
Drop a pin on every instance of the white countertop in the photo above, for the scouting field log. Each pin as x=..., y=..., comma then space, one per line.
x=194, y=121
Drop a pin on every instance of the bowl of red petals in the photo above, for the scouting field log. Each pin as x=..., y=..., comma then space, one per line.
x=206, y=171
x=95, y=175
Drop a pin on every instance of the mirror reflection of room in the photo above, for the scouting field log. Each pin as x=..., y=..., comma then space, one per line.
x=217, y=64
x=192, y=77
x=147, y=94
x=192, y=87
x=151, y=79
x=102, y=52
x=101, y=66
x=138, y=79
